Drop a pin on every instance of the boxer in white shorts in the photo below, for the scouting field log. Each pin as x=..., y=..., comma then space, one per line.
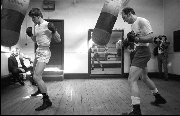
x=44, y=31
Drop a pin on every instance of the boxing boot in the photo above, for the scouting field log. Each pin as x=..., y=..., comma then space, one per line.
x=136, y=110
x=158, y=100
x=46, y=103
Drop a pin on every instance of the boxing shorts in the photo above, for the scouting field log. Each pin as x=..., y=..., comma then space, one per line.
x=141, y=57
x=43, y=54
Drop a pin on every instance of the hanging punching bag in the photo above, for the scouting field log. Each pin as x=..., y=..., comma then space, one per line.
x=12, y=16
x=108, y=16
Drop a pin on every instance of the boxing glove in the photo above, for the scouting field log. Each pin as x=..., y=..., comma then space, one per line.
x=51, y=27
x=125, y=43
x=29, y=31
x=131, y=36
x=102, y=32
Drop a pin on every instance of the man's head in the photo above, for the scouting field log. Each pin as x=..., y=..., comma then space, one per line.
x=127, y=15
x=15, y=51
x=164, y=38
x=36, y=15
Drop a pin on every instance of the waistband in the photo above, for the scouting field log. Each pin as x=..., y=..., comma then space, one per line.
x=43, y=46
x=142, y=46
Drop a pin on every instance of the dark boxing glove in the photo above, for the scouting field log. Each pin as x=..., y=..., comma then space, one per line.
x=131, y=45
x=29, y=31
x=51, y=27
x=125, y=43
x=131, y=36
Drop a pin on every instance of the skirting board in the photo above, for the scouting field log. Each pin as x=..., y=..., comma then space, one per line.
x=5, y=79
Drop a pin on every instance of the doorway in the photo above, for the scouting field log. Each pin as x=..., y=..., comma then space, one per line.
x=57, y=49
x=106, y=60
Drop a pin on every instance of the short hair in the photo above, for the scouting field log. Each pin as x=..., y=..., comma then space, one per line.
x=127, y=10
x=165, y=38
x=15, y=50
x=35, y=12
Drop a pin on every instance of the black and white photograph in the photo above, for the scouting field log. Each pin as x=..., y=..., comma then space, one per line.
x=90, y=57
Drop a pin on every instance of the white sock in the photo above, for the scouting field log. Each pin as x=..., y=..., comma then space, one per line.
x=154, y=91
x=135, y=100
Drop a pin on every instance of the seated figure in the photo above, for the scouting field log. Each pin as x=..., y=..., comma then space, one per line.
x=16, y=66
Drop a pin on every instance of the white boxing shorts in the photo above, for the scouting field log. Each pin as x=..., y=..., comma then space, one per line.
x=43, y=54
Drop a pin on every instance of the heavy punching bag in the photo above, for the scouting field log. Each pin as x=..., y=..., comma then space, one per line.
x=109, y=13
x=12, y=16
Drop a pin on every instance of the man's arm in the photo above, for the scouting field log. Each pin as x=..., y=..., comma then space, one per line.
x=22, y=63
x=55, y=34
x=56, y=37
x=30, y=34
x=11, y=65
x=146, y=27
x=145, y=39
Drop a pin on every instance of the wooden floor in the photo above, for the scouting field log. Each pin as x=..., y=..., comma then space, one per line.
x=89, y=97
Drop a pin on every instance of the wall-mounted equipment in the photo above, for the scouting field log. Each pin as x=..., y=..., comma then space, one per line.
x=48, y=4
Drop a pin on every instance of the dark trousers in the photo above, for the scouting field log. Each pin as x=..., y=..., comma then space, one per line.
x=15, y=72
x=162, y=62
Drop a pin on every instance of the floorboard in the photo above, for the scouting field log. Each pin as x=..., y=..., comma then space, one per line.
x=101, y=96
